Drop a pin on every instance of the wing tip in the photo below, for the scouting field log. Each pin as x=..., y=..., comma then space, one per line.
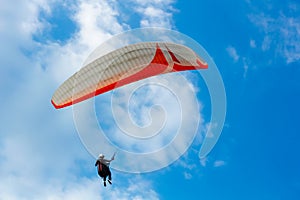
x=202, y=65
x=56, y=106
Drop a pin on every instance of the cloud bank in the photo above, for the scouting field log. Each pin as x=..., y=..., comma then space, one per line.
x=41, y=156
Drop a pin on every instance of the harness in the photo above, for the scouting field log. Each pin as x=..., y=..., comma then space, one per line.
x=102, y=169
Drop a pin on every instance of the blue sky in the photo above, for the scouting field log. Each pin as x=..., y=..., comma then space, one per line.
x=256, y=46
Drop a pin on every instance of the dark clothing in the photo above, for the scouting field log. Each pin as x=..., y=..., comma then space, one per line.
x=103, y=170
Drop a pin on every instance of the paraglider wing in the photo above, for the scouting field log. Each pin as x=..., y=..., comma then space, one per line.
x=123, y=66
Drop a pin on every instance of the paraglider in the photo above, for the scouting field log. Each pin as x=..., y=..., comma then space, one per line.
x=102, y=165
x=124, y=66
x=119, y=68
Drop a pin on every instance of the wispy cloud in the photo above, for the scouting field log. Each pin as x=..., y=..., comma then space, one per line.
x=212, y=162
x=219, y=163
x=281, y=32
x=245, y=66
x=232, y=53
x=252, y=43
x=203, y=161
x=187, y=175
x=241, y=60
x=208, y=129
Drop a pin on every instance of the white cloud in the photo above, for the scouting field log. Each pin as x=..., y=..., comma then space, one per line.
x=208, y=129
x=245, y=66
x=187, y=175
x=24, y=22
x=203, y=161
x=40, y=150
x=155, y=13
x=211, y=162
x=232, y=53
x=97, y=21
x=252, y=43
x=186, y=162
x=266, y=44
x=291, y=35
x=281, y=33
x=219, y=163
x=17, y=187
x=155, y=17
